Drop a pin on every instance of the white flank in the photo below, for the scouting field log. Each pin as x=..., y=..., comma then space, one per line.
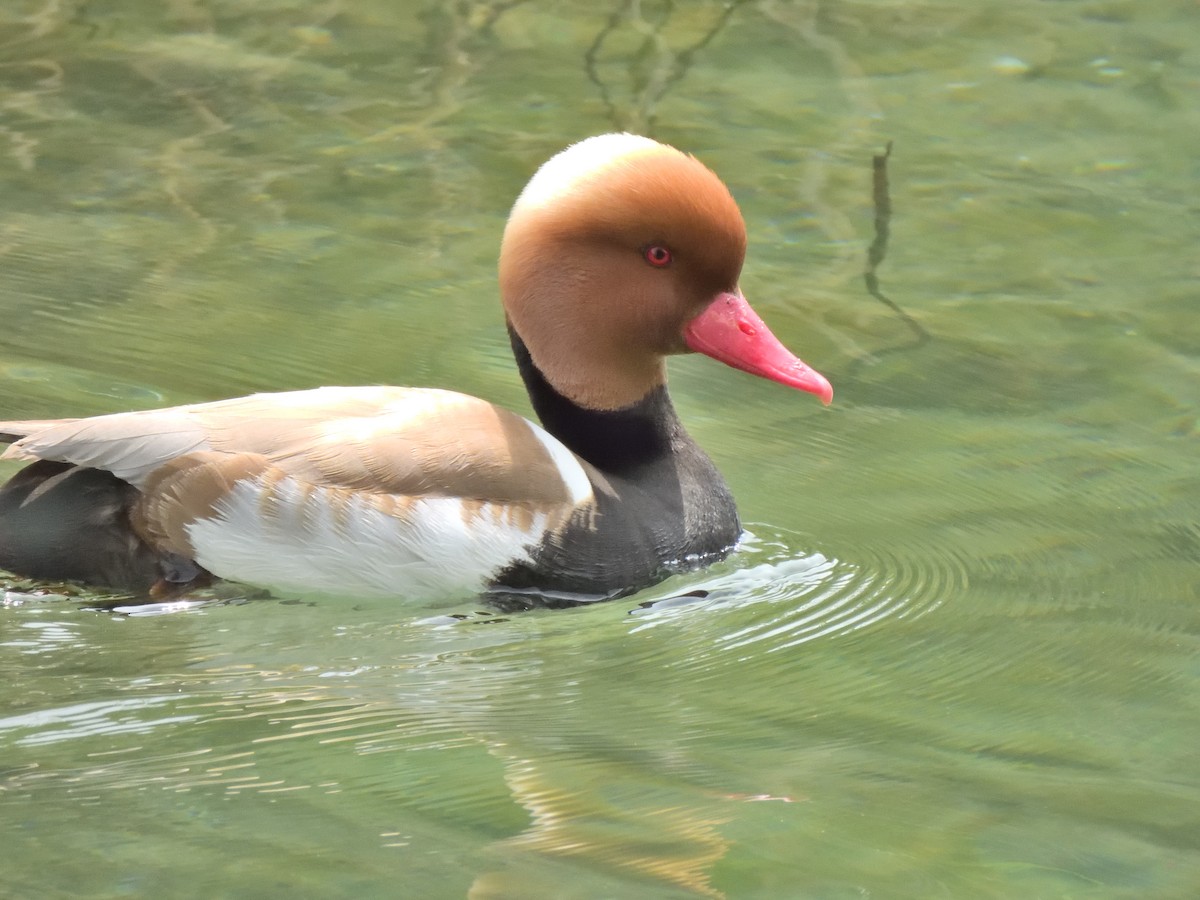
x=562, y=173
x=301, y=543
x=573, y=476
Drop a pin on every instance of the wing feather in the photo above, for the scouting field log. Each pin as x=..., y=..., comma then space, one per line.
x=386, y=440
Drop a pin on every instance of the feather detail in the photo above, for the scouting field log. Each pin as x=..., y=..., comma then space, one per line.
x=334, y=490
x=376, y=439
x=277, y=530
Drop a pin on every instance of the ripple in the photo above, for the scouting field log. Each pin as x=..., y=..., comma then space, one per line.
x=41, y=637
x=79, y=720
x=797, y=598
x=71, y=381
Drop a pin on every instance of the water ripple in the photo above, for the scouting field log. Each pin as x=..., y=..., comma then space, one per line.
x=800, y=598
x=66, y=723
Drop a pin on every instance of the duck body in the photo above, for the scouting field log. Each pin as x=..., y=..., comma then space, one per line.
x=619, y=252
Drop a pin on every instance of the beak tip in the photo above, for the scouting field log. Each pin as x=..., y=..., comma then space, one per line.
x=804, y=377
x=826, y=394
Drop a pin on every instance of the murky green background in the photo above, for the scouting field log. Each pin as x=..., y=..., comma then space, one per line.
x=961, y=655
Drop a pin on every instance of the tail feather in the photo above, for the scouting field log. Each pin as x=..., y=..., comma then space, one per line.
x=66, y=523
x=11, y=432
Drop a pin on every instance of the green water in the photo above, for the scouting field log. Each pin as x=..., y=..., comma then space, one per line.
x=960, y=655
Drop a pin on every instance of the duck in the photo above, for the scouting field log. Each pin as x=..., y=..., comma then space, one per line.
x=620, y=252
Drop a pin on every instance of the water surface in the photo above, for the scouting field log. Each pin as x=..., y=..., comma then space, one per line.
x=960, y=653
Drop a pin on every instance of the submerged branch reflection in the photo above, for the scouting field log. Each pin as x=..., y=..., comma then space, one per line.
x=644, y=52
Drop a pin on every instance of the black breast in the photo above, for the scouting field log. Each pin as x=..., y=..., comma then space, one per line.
x=663, y=505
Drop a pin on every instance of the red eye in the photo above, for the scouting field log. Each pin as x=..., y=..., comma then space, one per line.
x=658, y=256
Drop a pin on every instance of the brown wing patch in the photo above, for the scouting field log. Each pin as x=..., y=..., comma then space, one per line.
x=394, y=444
x=520, y=514
x=462, y=448
x=187, y=489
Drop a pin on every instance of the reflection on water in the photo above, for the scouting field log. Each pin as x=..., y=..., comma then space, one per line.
x=959, y=655
x=82, y=720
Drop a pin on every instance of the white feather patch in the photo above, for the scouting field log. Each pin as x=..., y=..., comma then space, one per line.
x=574, y=477
x=294, y=539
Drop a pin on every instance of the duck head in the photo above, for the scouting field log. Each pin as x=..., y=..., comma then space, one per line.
x=621, y=251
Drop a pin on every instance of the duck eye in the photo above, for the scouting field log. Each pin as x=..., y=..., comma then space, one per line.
x=657, y=255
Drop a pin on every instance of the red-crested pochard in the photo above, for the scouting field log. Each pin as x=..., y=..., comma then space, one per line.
x=619, y=252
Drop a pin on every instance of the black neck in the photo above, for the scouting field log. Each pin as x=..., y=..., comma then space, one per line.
x=614, y=441
x=663, y=505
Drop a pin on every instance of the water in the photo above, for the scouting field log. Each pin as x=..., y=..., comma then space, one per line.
x=960, y=654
